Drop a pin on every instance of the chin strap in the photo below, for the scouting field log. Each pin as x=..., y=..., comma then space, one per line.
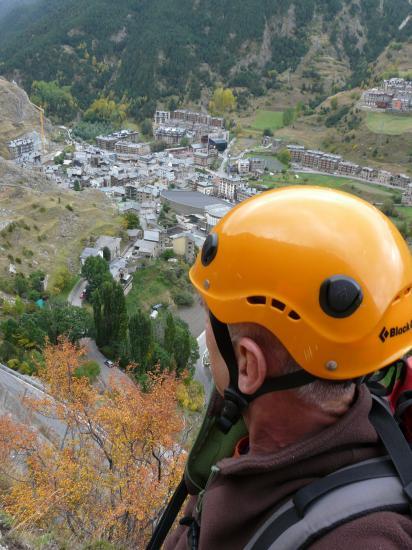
x=235, y=402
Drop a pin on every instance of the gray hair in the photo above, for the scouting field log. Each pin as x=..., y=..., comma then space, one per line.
x=323, y=394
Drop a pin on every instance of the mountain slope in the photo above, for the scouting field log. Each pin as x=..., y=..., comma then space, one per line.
x=17, y=114
x=155, y=49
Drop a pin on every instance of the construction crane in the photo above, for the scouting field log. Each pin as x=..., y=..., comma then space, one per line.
x=43, y=136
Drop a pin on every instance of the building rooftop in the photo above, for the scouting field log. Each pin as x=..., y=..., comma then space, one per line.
x=218, y=211
x=191, y=198
x=105, y=240
x=87, y=252
x=153, y=236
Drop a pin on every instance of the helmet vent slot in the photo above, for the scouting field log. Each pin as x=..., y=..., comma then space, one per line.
x=257, y=300
x=408, y=291
x=294, y=316
x=278, y=305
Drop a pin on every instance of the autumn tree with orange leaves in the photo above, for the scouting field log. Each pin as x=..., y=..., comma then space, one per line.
x=113, y=466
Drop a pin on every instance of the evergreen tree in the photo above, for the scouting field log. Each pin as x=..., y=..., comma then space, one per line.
x=110, y=316
x=96, y=271
x=170, y=334
x=114, y=315
x=140, y=339
x=181, y=348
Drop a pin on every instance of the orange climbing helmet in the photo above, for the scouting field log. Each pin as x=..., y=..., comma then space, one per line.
x=324, y=271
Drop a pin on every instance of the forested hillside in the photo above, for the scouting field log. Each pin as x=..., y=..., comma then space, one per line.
x=146, y=50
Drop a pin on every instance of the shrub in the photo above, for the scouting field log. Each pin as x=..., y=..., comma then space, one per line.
x=182, y=297
x=89, y=369
x=191, y=395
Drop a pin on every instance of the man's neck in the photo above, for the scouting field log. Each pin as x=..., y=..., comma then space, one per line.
x=278, y=420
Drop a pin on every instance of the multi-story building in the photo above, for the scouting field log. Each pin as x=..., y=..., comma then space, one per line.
x=243, y=166
x=109, y=142
x=395, y=94
x=407, y=196
x=296, y=153
x=245, y=192
x=184, y=245
x=328, y=163
x=171, y=135
x=368, y=174
x=384, y=177
x=19, y=147
x=205, y=187
x=129, y=148
x=257, y=164
x=227, y=187
x=348, y=168
x=401, y=180
x=377, y=98
x=193, y=117
x=162, y=117
x=203, y=160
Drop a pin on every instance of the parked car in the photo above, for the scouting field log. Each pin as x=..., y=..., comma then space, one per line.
x=109, y=363
x=206, y=359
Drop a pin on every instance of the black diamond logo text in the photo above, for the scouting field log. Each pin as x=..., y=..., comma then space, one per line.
x=384, y=334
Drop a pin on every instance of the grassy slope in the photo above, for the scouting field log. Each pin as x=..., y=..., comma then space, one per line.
x=371, y=193
x=273, y=120
x=149, y=287
x=389, y=124
x=55, y=234
x=154, y=284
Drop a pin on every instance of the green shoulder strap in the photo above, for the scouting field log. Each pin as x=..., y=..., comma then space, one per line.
x=211, y=445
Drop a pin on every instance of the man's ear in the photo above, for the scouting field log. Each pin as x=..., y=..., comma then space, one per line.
x=251, y=364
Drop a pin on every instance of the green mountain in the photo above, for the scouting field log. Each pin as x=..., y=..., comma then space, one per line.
x=151, y=50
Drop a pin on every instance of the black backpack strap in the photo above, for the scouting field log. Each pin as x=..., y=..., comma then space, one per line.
x=362, y=489
x=373, y=469
x=402, y=405
x=394, y=442
x=168, y=517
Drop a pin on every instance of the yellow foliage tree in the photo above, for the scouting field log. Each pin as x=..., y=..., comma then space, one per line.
x=111, y=474
x=106, y=110
x=223, y=101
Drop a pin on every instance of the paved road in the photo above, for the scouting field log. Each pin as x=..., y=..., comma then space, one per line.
x=222, y=171
x=202, y=374
x=194, y=316
x=93, y=353
x=74, y=296
x=106, y=373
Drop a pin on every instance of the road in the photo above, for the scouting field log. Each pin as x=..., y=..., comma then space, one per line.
x=202, y=374
x=93, y=353
x=74, y=297
x=222, y=171
x=194, y=316
x=106, y=373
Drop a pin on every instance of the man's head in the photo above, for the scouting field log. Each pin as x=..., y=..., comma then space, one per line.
x=327, y=278
x=261, y=355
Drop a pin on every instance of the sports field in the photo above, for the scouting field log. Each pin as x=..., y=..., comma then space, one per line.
x=273, y=120
x=386, y=123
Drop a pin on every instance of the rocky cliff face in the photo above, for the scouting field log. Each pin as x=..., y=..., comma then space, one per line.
x=17, y=115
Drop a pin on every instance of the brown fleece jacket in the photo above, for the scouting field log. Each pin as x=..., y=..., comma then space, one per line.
x=248, y=489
